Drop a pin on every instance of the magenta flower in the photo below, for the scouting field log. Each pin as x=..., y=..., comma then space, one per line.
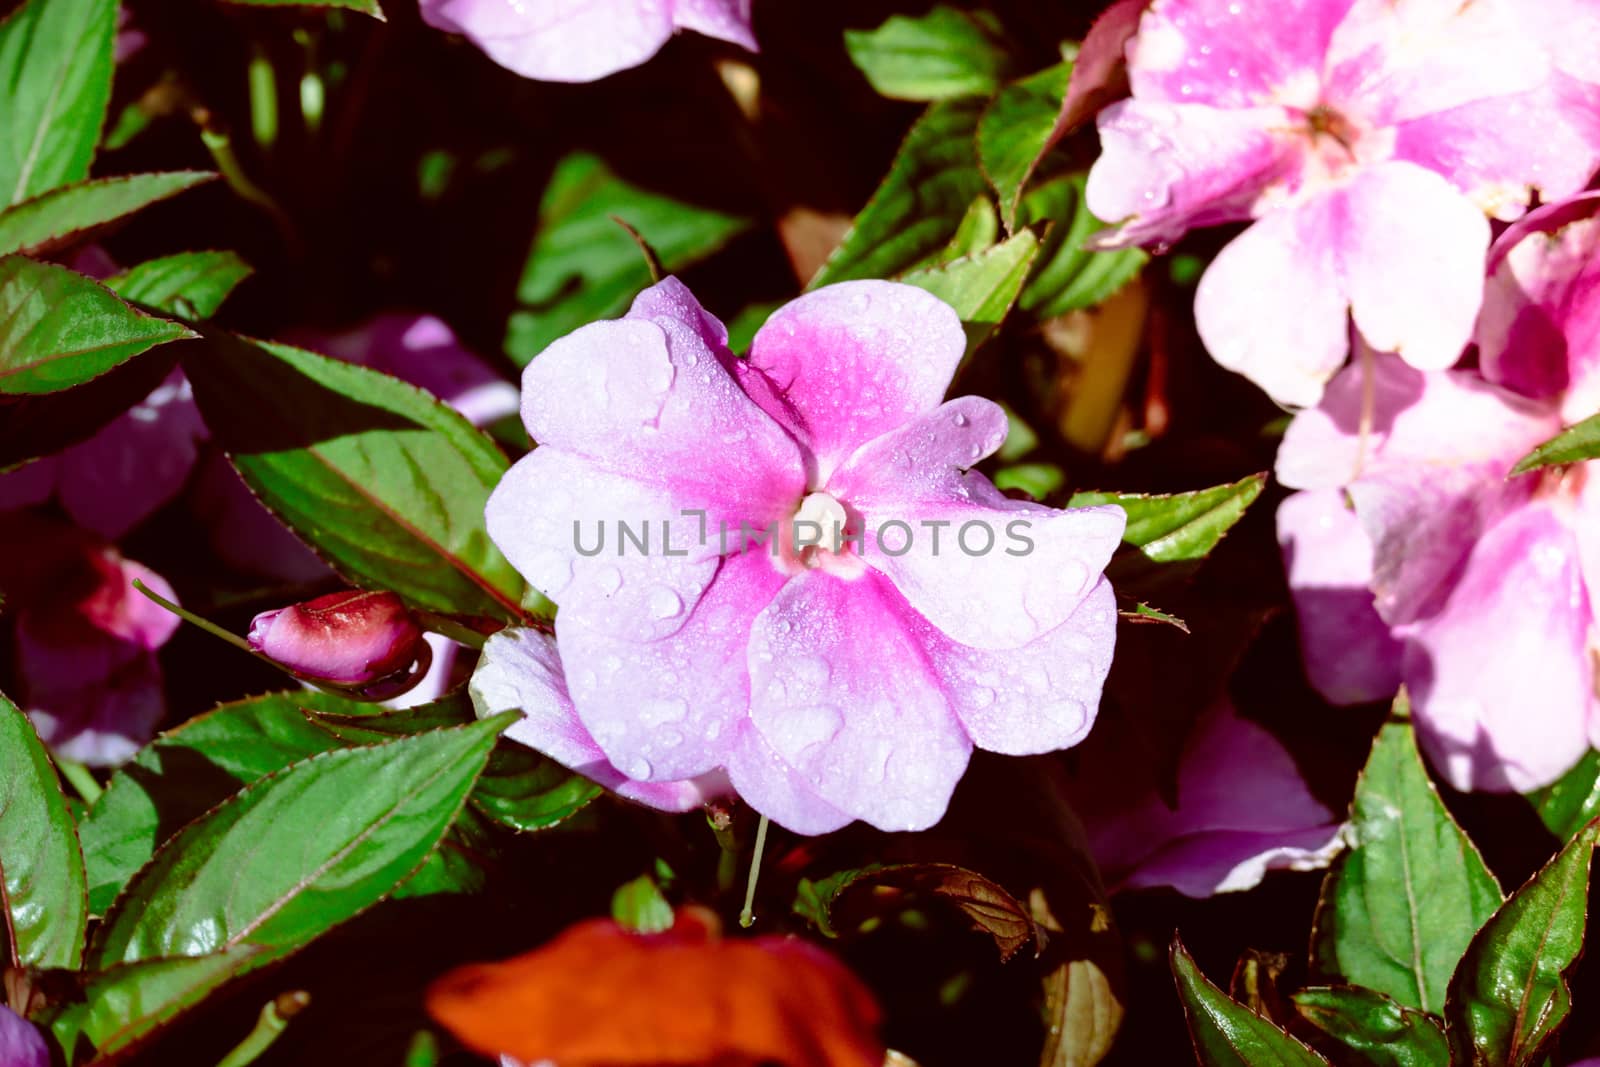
x=1482, y=581
x=901, y=611
x=21, y=1044
x=85, y=644
x=1242, y=809
x=352, y=638
x=1367, y=138
x=583, y=40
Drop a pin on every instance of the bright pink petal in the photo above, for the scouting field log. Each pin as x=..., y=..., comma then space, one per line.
x=1395, y=62
x=551, y=509
x=670, y=709
x=119, y=610
x=1539, y=332
x=558, y=40
x=1349, y=653
x=855, y=360
x=769, y=785
x=1228, y=54
x=1037, y=698
x=1291, y=344
x=845, y=695
x=1166, y=168
x=988, y=571
x=1498, y=150
x=652, y=398
x=1501, y=679
x=1430, y=476
x=136, y=463
x=726, y=20
x=521, y=669
x=1242, y=809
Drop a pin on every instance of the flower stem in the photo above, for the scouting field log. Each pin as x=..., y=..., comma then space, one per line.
x=447, y=627
x=748, y=915
x=269, y=1027
x=190, y=617
x=82, y=780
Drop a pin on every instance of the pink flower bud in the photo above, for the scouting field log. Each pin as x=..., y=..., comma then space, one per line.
x=353, y=638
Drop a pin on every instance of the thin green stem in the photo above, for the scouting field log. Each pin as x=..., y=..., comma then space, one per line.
x=748, y=915
x=274, y=1019
x=448, y=627
x=263, y=101
x=82, y=780
x=190, y=617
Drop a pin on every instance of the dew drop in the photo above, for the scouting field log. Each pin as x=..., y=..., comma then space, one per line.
x=608, y=579
x=664, y=603
x=960, y=419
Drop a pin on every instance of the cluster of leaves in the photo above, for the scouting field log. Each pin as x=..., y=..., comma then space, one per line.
x=1425, y=960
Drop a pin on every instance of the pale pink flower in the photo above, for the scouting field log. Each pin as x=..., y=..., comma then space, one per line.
x=828, y=682
x=583, y=40
x=1241, y=809
x=1482, y=581
x=1368, y=139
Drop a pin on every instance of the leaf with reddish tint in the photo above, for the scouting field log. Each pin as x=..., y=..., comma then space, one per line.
x=984, y=903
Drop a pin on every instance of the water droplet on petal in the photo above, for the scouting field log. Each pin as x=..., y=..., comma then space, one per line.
x=608, y=579
x=960, y=419
x=664, y=603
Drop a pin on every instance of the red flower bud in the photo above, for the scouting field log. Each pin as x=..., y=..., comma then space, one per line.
x=353, y=638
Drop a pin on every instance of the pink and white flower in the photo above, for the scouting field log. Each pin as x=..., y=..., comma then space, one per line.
x=828, y=682
x=584, y=40
x=1474, y=588
x=1368, y=139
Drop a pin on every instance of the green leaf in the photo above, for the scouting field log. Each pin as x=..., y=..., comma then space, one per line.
x=1015, y=132
x=1565, y=805
x=1400, y=906
x=365, y=7
x=1226, y=1033
x=129, y=1003
x=1178, y=527
x=1038, y=480
x=292, y=856
x=943, y=54
x=983, y=287
x=1509, y=996
x=1068, y=276
x=191, y=284
x=386, y=482
x=1573, y=445
x=43, y=913
x=520, y=789
x=639, y=905
x=55, y=83
x=853, y=899
x=59, y=329
x=188, y=771
x=583, y=266
x=1142, y=612
x=1373, y=1030
x=65, y=214
x=921, y=202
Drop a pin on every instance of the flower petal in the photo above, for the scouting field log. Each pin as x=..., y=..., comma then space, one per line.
x=726, y=20
x=989, y=571
x=671, y=709
x=1166, y=168
x=558, y=519
x=853, y=361
x=1037, y=698
x=769, y=785
x=1349, y=653
x=1430, y=476
x=844, y=694
x=21, y=1043
x=558, y=40
x=1292, y=344
x=1231, y=55
x=521, y=669
x=1539, y=332
x=652, y=398
x=94, y=698
x=1501, y=679
x=1242, y=808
